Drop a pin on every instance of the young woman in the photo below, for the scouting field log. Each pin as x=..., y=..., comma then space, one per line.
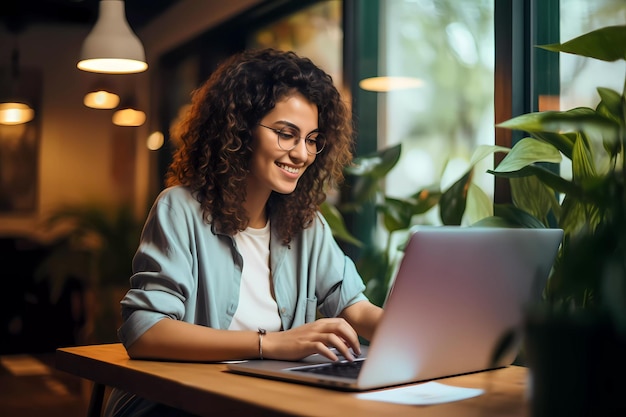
x=235, y=261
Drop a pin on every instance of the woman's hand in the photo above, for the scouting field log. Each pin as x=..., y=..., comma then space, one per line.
x=319, y=336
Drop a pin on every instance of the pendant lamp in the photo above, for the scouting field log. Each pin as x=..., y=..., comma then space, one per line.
x=101, y=93
x=128, y=115
x=15, y=113
x=112, y=47
x=101, y=99
x=385, y=84
x=14, y=110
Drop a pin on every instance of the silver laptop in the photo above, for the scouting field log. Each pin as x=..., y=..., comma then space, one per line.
x=455, y=307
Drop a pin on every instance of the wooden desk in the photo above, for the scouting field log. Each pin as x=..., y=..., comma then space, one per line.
x=210, y=390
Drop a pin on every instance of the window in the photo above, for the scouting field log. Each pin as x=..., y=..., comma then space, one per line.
x=580, y=76
x=314, y=31
x=449, y=47
x=576, y=78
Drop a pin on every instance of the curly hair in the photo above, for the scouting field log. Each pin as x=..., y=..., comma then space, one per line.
x=216, y=136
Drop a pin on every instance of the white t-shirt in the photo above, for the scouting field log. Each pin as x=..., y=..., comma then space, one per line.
x=257, y=306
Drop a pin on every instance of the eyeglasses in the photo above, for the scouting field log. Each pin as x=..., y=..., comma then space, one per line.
x=289, y=138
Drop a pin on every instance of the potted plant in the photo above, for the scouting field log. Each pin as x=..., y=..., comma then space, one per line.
x=575, y=339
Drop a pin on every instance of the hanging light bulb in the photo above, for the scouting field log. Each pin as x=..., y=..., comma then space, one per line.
x=385, y=84
x=112, y=47
x=15, y=111
x=101, y=99
x=128, y=115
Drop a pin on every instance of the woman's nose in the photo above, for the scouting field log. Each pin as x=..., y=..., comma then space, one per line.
x=299, y=151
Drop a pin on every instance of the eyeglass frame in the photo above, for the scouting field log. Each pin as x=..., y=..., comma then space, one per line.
x=297, y=139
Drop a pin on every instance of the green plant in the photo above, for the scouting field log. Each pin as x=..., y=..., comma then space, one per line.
x=574, y=340
x=590, y=204
x=377, y=261
x=95, y=243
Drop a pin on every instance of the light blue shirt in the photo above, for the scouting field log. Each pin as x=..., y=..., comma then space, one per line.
x=185, y=271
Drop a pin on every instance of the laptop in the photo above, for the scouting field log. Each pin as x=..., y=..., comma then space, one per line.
x=456, y=306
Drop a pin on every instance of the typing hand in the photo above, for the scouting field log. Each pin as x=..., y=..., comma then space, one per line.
x=327, y=337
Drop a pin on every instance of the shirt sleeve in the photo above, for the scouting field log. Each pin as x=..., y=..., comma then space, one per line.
x=339, y=283
x=163, y=275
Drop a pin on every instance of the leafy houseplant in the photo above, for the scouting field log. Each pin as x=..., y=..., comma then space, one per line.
x=576, y=339
x=95, y=244
x=377, y=261
x=591, y=268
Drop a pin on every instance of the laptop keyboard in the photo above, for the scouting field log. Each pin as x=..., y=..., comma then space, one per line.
x=344, y=369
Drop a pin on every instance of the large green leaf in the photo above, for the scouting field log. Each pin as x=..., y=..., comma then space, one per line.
x=577, y=119
x=396, y=214
x=564, y=142
x=516, y=216
x=494, y=221
x=526, y=152
x=478, y=206
x=482, y=151
x=582, y=160
x=424, y=200
x=368, y=171
x=611, y=104
x=453, y=201
x=364, y=189
x=533, y=196
x=337, y=224
x=375, y=165
x=575, y=216
x=606, y=44
x=548, y=177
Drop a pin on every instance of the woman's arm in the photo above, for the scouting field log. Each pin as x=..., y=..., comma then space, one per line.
x=364, y=317
x=177, y=340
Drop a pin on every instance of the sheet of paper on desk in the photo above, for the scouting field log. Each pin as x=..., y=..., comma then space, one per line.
x=428, y=393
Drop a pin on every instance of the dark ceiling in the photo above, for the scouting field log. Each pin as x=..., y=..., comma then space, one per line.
x=16, y=15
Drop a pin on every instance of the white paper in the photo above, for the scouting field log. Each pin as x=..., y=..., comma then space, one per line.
x=428, y=393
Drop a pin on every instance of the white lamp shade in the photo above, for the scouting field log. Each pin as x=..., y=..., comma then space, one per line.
x=15, y=113
x=112, y=47
x=101, y=99
x=129, y=117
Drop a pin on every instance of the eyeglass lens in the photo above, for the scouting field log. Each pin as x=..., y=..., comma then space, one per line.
x=288, y=138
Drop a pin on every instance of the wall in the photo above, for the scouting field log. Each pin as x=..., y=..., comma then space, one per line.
x=80, y=147
x=74, y=140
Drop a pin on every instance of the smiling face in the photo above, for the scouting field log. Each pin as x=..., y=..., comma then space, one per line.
x=272, y=168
